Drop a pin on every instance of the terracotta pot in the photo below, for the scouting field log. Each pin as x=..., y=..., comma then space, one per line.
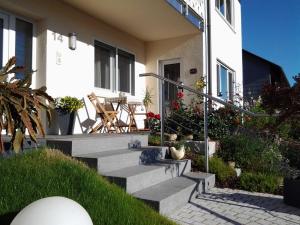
x=189, y=137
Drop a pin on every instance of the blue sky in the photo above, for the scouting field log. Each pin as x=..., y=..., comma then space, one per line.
x=271, y=29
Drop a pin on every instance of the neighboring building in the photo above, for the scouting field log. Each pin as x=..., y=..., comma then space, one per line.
x=258, y=72
x=117, y=40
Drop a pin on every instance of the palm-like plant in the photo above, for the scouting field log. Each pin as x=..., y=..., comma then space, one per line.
x=20, y=106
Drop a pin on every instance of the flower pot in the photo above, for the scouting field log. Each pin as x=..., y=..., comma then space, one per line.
x=189, y=137
x=291, y=192
x=172, y=137
x=146, y=124
x=231, y=164
x=62, y=123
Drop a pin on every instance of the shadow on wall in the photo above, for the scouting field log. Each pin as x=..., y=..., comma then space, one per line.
x=88, y=123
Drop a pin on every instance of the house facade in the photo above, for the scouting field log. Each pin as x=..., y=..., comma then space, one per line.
x=118, y=40
x=259, y=72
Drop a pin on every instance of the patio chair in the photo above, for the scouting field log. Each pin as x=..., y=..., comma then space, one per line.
x=107, y=115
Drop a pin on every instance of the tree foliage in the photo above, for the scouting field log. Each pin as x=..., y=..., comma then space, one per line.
x=20, y=105
x=283, y=100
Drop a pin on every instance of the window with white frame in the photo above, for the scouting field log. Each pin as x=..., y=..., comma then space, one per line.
x=225, y=82
x=18, y=41
x=114, y=68
x=225, y=7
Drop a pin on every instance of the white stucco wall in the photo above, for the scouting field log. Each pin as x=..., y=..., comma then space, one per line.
x=68, y=72
x=226, y=44
x=188, y=49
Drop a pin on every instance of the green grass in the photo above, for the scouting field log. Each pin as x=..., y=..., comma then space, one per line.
x=42, y=173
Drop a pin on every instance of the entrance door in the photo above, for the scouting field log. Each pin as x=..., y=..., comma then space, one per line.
x=171, y=70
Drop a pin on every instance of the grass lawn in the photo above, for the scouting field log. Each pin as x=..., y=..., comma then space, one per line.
x=42, y=173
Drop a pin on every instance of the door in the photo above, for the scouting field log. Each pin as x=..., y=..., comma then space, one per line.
x=171, y=70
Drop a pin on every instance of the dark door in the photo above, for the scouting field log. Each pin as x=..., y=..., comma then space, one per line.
x=172, y=72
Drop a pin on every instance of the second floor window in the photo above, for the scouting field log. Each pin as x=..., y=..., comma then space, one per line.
x=225, y=82
x=225, y=8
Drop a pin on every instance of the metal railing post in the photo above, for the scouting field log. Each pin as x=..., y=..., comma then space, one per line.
x=162, y=111
x=206, y=146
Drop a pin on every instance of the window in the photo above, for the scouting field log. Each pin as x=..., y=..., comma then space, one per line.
x=126, y=72
x=225, y=82
x=23, y=43
x=105, y=56
x=16, y=39
x=225, y=8
x=108, y=61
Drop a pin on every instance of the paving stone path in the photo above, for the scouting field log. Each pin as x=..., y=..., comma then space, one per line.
x=227, y=206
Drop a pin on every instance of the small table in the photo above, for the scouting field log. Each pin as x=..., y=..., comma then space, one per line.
x=117, y=103
x=116, y=100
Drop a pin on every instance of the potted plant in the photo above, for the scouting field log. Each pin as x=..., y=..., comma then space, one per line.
x=65, y=108
x=291, y=183
x=147, y=101
x=291, y=188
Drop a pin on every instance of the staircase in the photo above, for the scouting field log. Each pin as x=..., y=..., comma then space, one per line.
x=144, y=172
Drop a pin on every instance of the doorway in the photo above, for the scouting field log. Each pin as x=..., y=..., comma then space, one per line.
x=170, y=69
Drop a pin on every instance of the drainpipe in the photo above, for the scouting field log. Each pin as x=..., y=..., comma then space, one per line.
x=207, y=103
x=208, y=36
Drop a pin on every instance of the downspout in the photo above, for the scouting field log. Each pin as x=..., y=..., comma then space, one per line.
x=208, y=41
x=207, y=102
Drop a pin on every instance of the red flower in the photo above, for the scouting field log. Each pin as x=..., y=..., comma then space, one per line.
x=157, y=116
x=180, y=94
x=175, y=105
x=150, y=115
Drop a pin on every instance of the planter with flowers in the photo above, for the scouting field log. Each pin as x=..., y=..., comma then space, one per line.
x=64, y=115
x=153, y=122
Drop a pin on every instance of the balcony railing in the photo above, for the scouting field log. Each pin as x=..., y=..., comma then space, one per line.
x=193, y=10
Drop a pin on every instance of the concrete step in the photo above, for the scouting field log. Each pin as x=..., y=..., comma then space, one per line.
x=112, y=160
x=136, y=178
x=169, y=195
x=93, y=143
x=206, y=180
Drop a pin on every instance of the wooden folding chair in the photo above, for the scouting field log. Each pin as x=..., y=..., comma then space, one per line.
x=107, y=115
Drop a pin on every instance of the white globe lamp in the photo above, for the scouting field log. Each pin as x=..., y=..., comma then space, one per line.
x=53, y=211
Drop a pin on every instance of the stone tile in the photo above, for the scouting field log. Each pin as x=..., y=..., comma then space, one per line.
x=228, y=206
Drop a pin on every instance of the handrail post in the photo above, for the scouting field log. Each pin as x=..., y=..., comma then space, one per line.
x=162, y=111
x=206, y=145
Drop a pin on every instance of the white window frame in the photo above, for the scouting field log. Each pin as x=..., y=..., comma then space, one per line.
x=231, y=93
x=224, y=16
x=114, y=75
x=9, y=39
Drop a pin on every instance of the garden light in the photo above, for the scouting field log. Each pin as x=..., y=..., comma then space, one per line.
x=53, y=211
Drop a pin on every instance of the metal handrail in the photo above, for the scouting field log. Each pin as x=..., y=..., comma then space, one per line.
x=204, y=95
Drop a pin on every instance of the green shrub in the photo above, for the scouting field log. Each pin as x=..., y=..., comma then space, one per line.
x=38, y=174
x=251, y=153
x=68, y=104
x=222, y=122
x=154, y=140
x=291, y=151
x=260, y=182
x=225, y=175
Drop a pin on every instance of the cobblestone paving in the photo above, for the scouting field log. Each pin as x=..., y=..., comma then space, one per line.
x=227, y=206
